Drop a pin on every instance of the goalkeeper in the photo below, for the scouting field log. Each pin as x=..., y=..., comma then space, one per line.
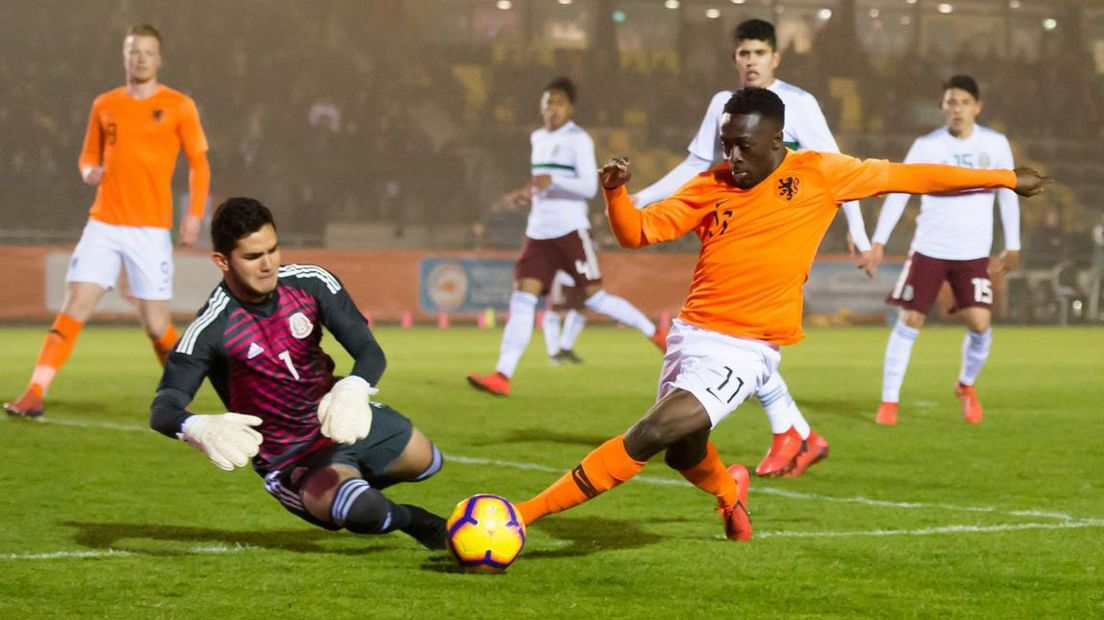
x=324, y=450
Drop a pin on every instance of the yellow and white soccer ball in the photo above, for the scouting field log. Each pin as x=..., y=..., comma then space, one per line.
x=485, y=533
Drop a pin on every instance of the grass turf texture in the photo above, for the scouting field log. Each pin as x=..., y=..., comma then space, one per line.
x=102, y=517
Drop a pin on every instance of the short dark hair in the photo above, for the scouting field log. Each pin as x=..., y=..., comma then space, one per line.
x=236, y=218
x=756, y=29
x=564, y=85
x=144, y=30
x=755, y=100
x=963, y=82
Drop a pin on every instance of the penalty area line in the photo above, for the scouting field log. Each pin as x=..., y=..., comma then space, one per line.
x=122, y=553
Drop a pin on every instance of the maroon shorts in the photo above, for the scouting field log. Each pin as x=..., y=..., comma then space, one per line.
x=572, y=253
x=923, y=276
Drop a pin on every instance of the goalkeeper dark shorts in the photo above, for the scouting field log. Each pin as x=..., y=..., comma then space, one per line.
x=370, y=456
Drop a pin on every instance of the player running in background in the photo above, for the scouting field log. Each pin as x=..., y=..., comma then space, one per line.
x=795, y=446
x=954, y=235
x=760, y=218
x=134, y=135
x=564, y=319
x=325, y=452
x=557, y=236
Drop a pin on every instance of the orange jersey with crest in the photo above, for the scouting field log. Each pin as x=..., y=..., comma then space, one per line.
x=137, y=142
x=758, y=244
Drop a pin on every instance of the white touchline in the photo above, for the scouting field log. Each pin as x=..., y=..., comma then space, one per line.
x=664, y=481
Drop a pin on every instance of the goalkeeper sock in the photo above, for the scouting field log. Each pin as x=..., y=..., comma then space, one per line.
x=361, y=509
x=606, y=467
x=621, y=311
x=55, y=351
x=426, y=527
x=711, y=476
x=164, y=344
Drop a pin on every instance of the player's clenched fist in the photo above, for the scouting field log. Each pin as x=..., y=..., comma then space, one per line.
x=615, y=173
x=345, y=413
x=228, y=439
x=1029, y=182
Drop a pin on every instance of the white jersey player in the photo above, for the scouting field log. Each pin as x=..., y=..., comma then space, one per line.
x=954, y=236
x=557, y=238
x=795, y=445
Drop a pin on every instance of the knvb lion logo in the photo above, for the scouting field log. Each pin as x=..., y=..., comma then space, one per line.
x=157, y=114
x=787, y=187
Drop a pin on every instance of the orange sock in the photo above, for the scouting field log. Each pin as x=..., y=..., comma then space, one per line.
x=55, y=351
x=711, y=476
x=163, y=345
x=606, y=467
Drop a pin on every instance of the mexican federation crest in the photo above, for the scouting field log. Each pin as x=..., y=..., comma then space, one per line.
x=300, y=325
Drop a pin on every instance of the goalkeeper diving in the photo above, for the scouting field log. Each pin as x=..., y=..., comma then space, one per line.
x=324, y=449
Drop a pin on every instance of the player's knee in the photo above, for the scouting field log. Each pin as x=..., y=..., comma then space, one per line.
x=361, y=509
x=912, y=319
x=436, y=462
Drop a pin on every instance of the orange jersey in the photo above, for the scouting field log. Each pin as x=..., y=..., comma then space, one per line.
x=137, y=142
x=758, y=244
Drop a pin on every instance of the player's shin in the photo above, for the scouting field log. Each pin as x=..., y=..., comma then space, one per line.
x=163, y=344
x=711, y=476
x=55, y=351
x=606, y=467
x=363, y=510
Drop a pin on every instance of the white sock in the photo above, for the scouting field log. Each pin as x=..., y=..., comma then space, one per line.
x=621, y=311
x=519, y=329
x=975, y=350
x=782, y=411
x=898, y=351
x=574, y=322
x=551, y=332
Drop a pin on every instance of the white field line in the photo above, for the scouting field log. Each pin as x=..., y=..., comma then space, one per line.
x=118, y=553
x=759, y=535
x=667, y=481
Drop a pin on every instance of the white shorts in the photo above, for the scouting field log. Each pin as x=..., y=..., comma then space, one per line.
x=720, y=371
x=145, y=251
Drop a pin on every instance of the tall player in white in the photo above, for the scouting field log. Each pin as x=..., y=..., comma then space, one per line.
x=557, y=236
x=954, y=235
x=795, y=446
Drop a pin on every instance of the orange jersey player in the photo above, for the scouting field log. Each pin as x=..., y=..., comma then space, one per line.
x=134, y=135
x=760, y=217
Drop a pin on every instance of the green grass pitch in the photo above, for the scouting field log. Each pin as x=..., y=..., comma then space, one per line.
x=103, y=517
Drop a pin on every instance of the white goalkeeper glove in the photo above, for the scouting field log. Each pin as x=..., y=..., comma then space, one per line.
x=228, y=439
x=345, y=413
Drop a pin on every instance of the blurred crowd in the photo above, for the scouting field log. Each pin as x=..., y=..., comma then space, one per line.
x=347, y=112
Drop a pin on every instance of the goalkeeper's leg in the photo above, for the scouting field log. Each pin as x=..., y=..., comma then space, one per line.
x=337, y=496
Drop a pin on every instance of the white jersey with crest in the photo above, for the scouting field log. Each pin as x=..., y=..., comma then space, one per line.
x=958, y=227
x=805, y=126
x=567, y=155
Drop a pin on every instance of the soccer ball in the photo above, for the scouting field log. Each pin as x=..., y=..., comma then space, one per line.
x=485, y=533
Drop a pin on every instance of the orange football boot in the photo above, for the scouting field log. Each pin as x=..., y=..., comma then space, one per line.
x=887, y=414
x=813, y=451
x=971, y=407
x=659, y=338
x=736, y=520
x=780, y=458
x=28, y=406
x=496, y=383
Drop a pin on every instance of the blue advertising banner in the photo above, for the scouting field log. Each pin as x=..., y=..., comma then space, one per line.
x=838, y=288
x=464, y=284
